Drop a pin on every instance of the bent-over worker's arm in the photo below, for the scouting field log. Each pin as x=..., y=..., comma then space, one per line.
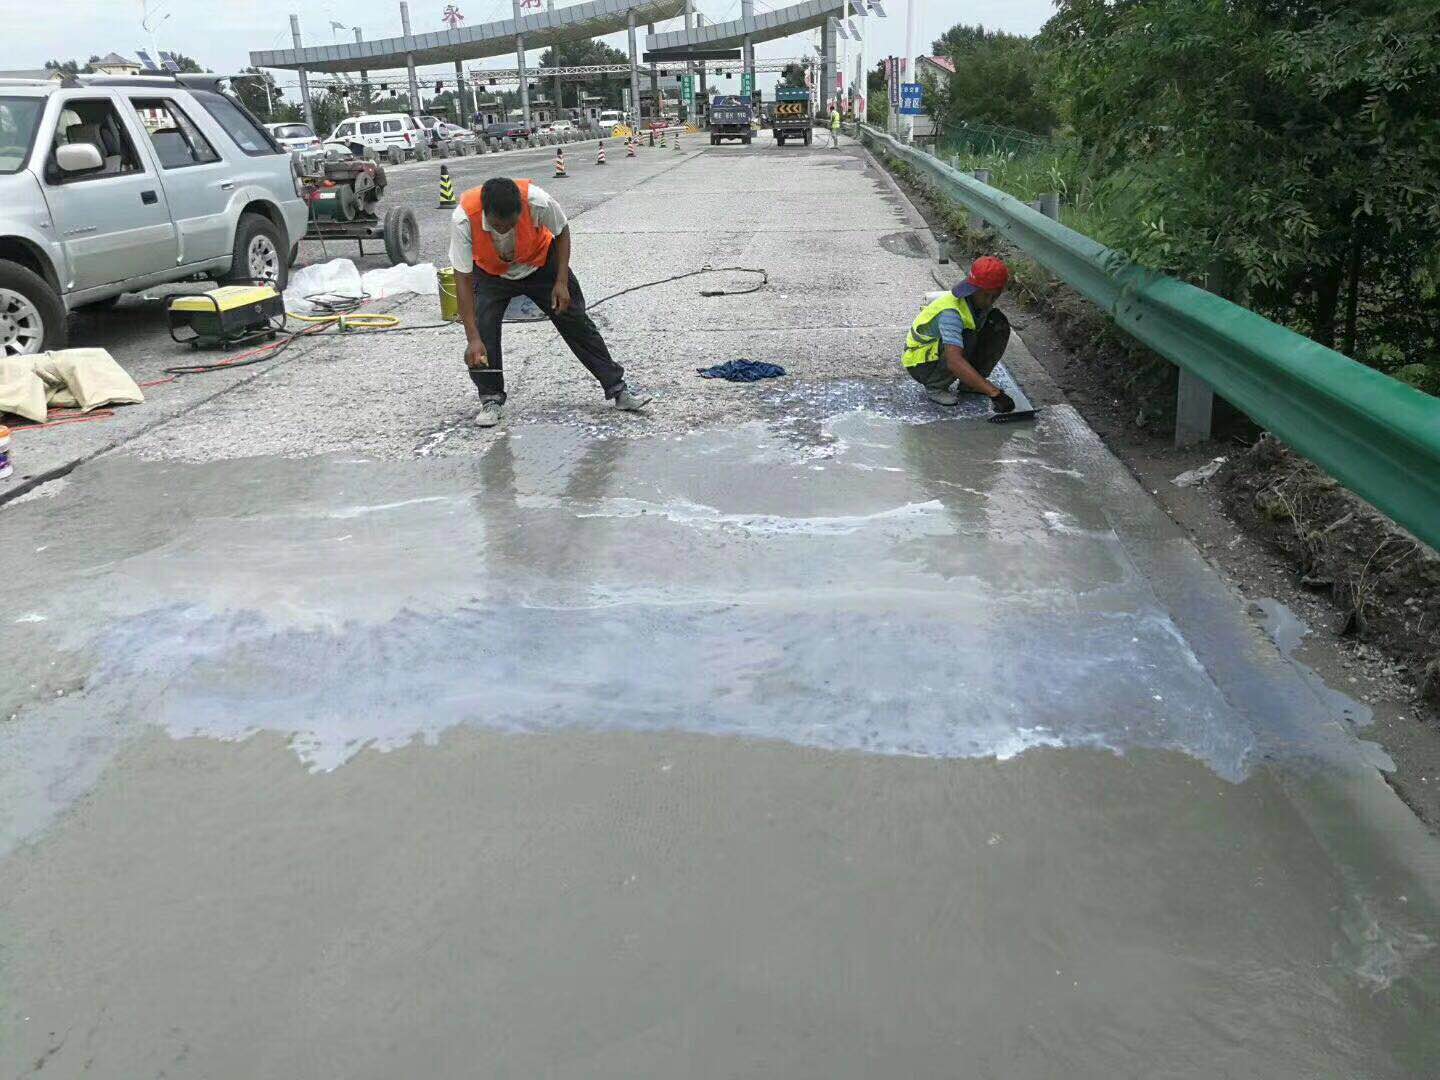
x=560, y=294
x=475, y=355
x=969, y=378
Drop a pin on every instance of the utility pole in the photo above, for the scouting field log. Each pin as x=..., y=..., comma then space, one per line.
x=634, y=78
x=555, y=55
x=304, y=75
x=364, y=79
x=747, y=24
x=910, y=76
x=520, y=63
x=416, y=104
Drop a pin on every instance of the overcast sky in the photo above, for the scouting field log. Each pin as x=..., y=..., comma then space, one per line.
x=220, y=33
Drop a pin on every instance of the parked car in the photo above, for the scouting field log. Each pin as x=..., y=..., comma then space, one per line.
x=507, y=129
x=456, y=134
x=294, y=136
x=380, y=132
x=111, y=185
x=560, y=127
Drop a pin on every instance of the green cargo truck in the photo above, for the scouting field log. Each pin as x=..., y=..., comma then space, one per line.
x=792, y=115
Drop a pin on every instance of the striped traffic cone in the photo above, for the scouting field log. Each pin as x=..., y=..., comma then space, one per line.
x=600, y=158
x=652, y=136
x=560, y=163
x=662, y=138
x=677, y=140
x=447, y=190
x=630, y=146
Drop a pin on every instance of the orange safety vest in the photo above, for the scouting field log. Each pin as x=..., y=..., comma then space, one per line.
x=532, y=243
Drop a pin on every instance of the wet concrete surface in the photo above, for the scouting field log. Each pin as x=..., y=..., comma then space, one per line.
x=809, y=748
x=801, y=729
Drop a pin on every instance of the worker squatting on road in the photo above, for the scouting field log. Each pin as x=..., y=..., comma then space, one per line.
x=958, y=339
x=509, y=238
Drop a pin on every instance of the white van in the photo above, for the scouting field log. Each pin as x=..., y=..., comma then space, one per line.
x=609, y=120
x=381, y=132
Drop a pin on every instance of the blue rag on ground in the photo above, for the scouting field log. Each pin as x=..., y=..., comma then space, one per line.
x=742, y=371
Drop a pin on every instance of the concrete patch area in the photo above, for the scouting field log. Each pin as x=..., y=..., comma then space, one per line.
x=796, y=729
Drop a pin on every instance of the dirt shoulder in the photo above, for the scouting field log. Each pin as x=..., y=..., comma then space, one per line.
x=1277, y=527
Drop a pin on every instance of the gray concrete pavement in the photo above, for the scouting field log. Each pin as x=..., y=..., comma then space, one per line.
x=798, y=729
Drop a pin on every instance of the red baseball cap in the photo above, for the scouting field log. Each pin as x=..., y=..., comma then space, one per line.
x=988, y=273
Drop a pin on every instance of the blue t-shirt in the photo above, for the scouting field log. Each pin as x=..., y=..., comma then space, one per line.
x=952, y=327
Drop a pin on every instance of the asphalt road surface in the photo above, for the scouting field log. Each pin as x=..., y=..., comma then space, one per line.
x=794, y=729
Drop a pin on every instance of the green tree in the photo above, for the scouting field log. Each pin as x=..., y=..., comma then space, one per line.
x=877, y=100
x=1292, y=144
x=792, y=75
x=584, y=53
x=67, y=67
x=1000, y=79
x=251, y=92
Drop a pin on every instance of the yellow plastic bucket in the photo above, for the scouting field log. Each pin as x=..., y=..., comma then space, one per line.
x=449, y=301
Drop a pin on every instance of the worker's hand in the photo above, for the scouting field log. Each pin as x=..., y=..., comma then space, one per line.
x=475, y=354
x=1002, y=403
x=560, y=297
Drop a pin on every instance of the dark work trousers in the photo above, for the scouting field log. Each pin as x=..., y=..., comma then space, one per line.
x=493, y=295
x=983, y=350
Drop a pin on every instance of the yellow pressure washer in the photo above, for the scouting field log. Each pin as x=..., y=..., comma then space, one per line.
x=228, y=316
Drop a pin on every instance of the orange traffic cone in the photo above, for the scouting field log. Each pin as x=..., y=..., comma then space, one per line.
x=560, y=163
x=600, y=158
x=630, y=146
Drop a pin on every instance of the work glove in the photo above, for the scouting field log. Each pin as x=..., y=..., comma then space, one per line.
x=1002, y=403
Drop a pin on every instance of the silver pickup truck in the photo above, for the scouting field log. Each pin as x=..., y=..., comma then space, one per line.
x=111, y=185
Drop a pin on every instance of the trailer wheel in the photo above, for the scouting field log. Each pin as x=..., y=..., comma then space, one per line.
x=746, y=140
x=402, y=236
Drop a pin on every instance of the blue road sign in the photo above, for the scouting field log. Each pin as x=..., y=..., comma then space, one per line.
x=910, y=99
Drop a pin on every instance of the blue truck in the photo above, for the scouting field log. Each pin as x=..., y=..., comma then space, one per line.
x=730, y=116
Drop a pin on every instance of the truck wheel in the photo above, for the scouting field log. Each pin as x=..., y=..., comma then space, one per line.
x=402, y=236
x=32, y=316
x=807, y=137
x=259, y=255
x=714, y=140
x=779, y=140
x=746, y=140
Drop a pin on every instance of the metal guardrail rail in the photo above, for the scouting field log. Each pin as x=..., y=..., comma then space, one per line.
x=1376, y=435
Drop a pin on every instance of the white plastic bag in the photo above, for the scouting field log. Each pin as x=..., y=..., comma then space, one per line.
x=338, y=277
x=393, y=280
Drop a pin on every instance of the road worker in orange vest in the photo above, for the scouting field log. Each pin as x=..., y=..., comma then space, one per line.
x=509, y=238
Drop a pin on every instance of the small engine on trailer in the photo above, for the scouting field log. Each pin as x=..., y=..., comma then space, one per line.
x=228, y=316
x=344, y=193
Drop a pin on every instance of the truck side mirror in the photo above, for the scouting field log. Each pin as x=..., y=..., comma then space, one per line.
x=78, y=157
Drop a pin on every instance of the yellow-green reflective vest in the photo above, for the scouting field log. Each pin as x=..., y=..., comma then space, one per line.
x=834, y=121
x=923, y=343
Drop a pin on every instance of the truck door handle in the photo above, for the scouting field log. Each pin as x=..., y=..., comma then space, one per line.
x=149, y=198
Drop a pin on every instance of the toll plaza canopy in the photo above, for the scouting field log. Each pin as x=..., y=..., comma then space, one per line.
x=595, y=18
x=766, y=26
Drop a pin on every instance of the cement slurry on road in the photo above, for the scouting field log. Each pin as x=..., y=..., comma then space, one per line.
x=822, y=734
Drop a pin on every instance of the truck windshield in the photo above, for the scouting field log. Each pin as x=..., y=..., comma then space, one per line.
x=18, y=118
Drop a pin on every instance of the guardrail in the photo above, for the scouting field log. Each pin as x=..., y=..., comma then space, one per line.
x=1377, y=436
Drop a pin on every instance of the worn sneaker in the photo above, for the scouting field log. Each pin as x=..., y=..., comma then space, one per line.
x=489, y=414
x=943, y=397
x=629, y=401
